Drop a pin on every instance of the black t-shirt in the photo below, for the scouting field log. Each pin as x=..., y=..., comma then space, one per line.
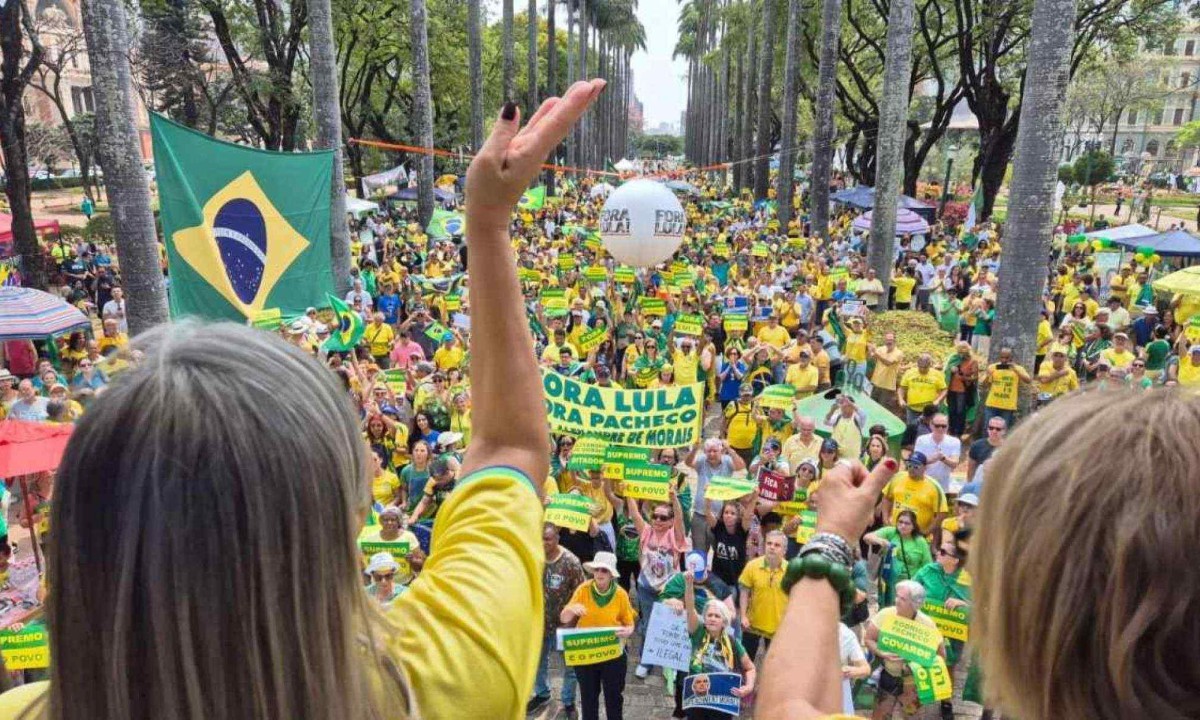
x=729, y=552
x=980, y=451
x=578, y=542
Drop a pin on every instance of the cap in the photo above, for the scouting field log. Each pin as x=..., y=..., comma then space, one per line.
x=439, y=466
x=772, y=444
x=917, y=458
x=829, y=444
x=6, y=375
x=310, y=310
x=969, y=499
x=809, y=462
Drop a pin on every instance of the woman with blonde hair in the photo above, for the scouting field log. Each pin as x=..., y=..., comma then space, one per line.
x=204, y=562
x=1105, y=634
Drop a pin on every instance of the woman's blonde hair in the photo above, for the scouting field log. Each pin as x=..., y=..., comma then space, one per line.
x=203, y=561
x=1084, y=562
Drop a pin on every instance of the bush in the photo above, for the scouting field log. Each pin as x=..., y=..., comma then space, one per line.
x=955, y=214
x=56, y=183
x=100, y=229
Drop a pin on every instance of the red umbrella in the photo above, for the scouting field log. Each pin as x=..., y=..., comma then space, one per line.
x=27, y=448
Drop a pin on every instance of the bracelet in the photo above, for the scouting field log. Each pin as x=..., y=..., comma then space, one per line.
x=831, y=546
x=816, y=565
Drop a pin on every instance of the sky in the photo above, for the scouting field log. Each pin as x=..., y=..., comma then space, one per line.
x=660, y=82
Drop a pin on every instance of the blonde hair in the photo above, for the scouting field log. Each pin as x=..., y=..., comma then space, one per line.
x=1087, y=588
x=204, y=561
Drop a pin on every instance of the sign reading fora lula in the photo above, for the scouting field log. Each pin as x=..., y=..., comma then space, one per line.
x=658, y=417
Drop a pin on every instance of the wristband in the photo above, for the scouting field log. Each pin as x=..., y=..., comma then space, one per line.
x=816, y=565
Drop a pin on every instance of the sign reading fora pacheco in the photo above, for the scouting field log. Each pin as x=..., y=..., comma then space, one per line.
x=653, y=418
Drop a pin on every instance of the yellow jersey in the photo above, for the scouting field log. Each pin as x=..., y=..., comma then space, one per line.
x=379, y=338
x=922, y=388
x=1005, y=381
x=767, y=599
x=923, y=496
x=904, y=288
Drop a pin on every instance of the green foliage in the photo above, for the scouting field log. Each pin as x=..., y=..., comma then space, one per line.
x=1188, y=135
x=657, y=146
x=1093, y=168
x=100, y=229
x=1066, y=174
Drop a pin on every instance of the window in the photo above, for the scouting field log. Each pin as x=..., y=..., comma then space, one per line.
x=1178, y=118
x=1189, y=49
x=1127, y=146
x=1185, y=79
x=1169, y=47
x=1132, y=118
x=82, y=100
x=1158, y=118
x=1152, y=148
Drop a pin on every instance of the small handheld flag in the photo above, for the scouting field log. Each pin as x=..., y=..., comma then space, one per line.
x=349, y=328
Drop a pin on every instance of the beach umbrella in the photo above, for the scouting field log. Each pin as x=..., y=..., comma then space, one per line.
x=29, y=314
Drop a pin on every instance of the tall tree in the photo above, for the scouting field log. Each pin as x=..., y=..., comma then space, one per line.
x=785, y=182
x=762, y=146
x=1031, y=192
x=749, y=104
x=581, y=155
x=475, y=69
x=323, y=72
x=422, y=107
x=508, y=49
x=572, y=76
x=893, y=120
x=531, y=56
x=119, y=149
x=823, y=135
x=17, y=35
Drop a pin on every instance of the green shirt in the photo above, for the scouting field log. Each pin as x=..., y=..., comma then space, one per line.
x=709, y=656
x=939, y=586
x=908, y=557
x=1157, y=352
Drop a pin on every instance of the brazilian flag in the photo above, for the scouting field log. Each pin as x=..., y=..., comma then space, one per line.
x=444, y=224
x=533, y=199
x=349, y=328
x=246, y=230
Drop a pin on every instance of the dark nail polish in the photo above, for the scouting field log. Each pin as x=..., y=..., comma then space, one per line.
x=509, y=111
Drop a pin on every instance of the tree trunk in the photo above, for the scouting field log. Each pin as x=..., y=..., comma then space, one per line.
x=1031, y=192
x=786, y=182
x=762, y=146
x=475, y=60
x=531, y=57
x=423, y=107
x=16, y=28
x=825, y=130
x=748, y=106
x=889, y=141
x=551, y=89
x=996, y=148
x=572, y=40
x=739, y=99
x=581, y=154
x=507, y=48
x=326, y=108
x=119, y=150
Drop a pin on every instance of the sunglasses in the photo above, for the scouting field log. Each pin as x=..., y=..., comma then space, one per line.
x=943, y=553
x=940, y=425
x=662, y=517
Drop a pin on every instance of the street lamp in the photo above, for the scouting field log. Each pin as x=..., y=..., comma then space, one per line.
x=946, y=181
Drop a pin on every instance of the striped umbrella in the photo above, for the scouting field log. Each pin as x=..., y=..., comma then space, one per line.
x=28, y=314
x=907, y=222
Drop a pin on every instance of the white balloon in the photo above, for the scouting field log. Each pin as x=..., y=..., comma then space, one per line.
x=642, y=223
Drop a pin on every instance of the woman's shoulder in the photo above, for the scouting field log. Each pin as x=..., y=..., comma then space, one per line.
x=16, y=702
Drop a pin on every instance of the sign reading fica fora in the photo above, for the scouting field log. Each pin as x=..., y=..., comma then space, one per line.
x=654, y=418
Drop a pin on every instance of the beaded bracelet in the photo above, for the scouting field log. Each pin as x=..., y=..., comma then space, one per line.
x=816, y=565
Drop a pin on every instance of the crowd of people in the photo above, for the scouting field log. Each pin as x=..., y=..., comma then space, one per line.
x=745, y=305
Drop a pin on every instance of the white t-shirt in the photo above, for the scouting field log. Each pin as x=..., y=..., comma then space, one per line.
x=849, y=649
x=950, y=446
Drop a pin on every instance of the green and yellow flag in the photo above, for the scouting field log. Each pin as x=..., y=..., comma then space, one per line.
x=349, y=328
x=245, y=229
x=533, y=199
x=444, y=224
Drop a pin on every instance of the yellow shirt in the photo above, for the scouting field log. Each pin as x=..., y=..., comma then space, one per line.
x=803, y=377
x=767, y=599
x=742, y=428
x=1060, y=386
x=904, y=288
x=1003, y=393
x=687, y=367
x=885, y=376
x=450, y=358
x=1117, y=358
x=118, y=341
x=485, y=571
x=616, y=612
x=856, y=347
x=384, y=487
x=924, y=497
x=602, y=509
x=922, y=389
x=1189, y=373
x=776, y=336
x=379, y=338
x=795, y=450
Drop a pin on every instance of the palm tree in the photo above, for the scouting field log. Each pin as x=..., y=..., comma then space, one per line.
x=749, y=103
x=762, y=146
x=422, y=108
x=475, y=61
x=119, y=150
x=581, y=155
x=1034, y=173
x=507, y=48
x=572, y=77
x=785, y=182
x=326, y=108
x=823, y=133
x=889, y=147
x=531, y=56
x=551, y=89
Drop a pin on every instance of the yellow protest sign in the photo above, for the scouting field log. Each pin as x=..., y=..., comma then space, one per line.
x=911, y=640
x=569, y=510
x=932, y=681
x=728, y=488
x=588, y=646
x=652, y=418
x=27, y=648
x=953, y=624
x=647, y=482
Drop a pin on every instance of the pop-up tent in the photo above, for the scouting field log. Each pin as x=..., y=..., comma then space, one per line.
x=28, y=448
x=1173, y=243
x=907, y=222
x=41, y=227
x=1121, y=232
x=1185, y=281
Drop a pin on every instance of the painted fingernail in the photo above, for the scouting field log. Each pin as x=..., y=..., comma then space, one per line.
x=890, y=464
x=509, y=111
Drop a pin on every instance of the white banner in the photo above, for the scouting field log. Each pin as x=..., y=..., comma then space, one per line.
x=667, y=642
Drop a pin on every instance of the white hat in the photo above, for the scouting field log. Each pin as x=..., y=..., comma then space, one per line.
x=969, y=499
x=447, y=439
x=382, y=562
x=604, y=560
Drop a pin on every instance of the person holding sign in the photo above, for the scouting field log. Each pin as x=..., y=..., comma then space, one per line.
x=896, y=684
x=561, y=576
x=394, y=539
x=382, y=571
x=601, y=603
x=948, y=585
x=660, y=543
x=235, y=477
x=714, y=649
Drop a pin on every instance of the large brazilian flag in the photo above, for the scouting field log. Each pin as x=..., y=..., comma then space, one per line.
x=246, y=230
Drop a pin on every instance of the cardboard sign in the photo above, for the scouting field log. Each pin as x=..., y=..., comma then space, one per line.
x=780, y=397
x=616, y=457
x=596, y=273
x=588, y=646
x=554, y=299
x=911, y=640
x=26, y=649
x=647, y=482
x=808, y=526
x=854, y=308
x=567, y=263
x=624, y=275
x=738, y=304
x=396, y=379
x=932, y=681
x=591, y=340
x=569, y=510
x=953, y=624
x=760, y=250
x=728, y=488
x=736, y=323
x=453, y=302
x=690, y=324
x=712, y=691
x=529, y=275
x=588, y=454
x=667, y=643
x=652, y=305
x=775, y=486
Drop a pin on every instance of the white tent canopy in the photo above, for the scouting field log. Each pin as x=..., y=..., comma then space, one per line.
x=1122, y=232
x=600, y=190
x=624, y=165
x=396, y=176
x=358, y=207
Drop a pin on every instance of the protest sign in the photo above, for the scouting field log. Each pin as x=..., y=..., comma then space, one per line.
x=762, y=313
x=652, y=305
x=588, y=646
x=712, y=691
x=739, y=304
x=396, y=379
x=593, y=243
x=462, y=321
x=624, y=275
x=728, y=488
x=932, y=681
x=781, y=397
x=689, y=324
x=596, y=273
x=588, y=454
x=529, y=275
x=760, y=250
x=736, y=322
x=647, y=482
x=569, y=510
x=453, y=302
x=808, y=525
x=435, y=331
x=797, y=505
x=911, y=640
x=854, y=308
x=591, y=339
x=775, y=486
x=721, y=249
x=554, y=299
x=397, y=549
x=616, y=457
x=667, y=642
x=953, y=624
x=653, y=418
x=567, y=262
x=679, y=266
x=25, y=649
